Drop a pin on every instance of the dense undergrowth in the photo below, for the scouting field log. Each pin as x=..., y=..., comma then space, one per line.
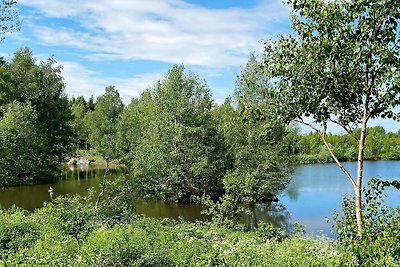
x=69, y=233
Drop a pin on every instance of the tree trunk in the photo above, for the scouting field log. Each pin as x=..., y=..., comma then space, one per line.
x=103, y=186
x=358, y=187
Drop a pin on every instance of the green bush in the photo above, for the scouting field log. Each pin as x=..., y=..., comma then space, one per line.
x=380, y=243
x=121, y=246
x=17, y=231
x=70, y=216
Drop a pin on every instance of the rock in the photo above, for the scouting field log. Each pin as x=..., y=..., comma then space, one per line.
x=83, y=161
x=72, y=161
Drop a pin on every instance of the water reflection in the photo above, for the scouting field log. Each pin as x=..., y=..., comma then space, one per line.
x=271, y=212
x=316, y=190
x=72, y=181
x=162, y=209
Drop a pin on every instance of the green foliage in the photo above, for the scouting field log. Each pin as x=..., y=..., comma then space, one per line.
x=38, y=241
x=177, y=146
x=40, y=84
x=102, y=122
x=343, y=52
x=180, y=153
x=380, y=245
x=79, y=109
x=117, y=204
x=36, y=88
x=23, y=146
x=129, y=129
x=17, y=231
x=122, y=246
x=260, y=148
x=69, y=216
x=269, y=231
x=224, y=212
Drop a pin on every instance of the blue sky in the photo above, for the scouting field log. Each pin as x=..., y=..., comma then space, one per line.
x=132, y=43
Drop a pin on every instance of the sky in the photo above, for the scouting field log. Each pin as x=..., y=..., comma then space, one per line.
x=132, y=43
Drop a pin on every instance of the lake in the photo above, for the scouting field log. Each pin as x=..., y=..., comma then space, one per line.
x=314, y=192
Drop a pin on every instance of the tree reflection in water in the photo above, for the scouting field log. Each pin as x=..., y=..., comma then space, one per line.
x=269, y=212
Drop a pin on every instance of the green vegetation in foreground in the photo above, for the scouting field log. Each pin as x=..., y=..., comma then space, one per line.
x=64, y=233
x=71, y=232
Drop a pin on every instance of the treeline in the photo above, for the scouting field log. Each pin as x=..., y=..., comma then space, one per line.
x=379, y=145
x=177, y=143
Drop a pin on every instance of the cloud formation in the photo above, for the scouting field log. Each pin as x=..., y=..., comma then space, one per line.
x=83, y=81
x=171, y=31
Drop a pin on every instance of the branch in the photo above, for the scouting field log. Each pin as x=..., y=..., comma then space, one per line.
x=344, y=170
x=103, y=186
x=307, y=124
x=349, y=130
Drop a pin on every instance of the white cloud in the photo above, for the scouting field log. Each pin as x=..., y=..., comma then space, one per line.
x=170, y=31
x=82, y=81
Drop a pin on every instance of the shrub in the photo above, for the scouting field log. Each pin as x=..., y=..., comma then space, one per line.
x=380, y=243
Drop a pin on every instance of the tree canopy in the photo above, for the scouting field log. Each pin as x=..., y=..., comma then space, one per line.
x=102, y=122
x=26, y=85
x=181, y=153
x=23, y=147
x=9, y=21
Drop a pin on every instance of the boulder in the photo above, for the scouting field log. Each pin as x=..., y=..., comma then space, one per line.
x=72, y=161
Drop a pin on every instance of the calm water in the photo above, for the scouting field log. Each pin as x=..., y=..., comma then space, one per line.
x=317, y=190
x=313, y=194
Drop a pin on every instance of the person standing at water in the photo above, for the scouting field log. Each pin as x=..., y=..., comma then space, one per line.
x=51, y=192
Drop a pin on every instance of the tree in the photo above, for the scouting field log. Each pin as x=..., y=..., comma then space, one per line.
x=259, y=153
x=24, y=80
x=23, y=145
x=9, y=22
x=79, y=112
x=40, y=87
x=374, y=142
x=341, y=67
x=102, y=122
x=129, y=130
x=90, y=104
x=101, y=125
x=181, y=154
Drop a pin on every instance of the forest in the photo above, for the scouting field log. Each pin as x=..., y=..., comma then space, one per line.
x=176, y=144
